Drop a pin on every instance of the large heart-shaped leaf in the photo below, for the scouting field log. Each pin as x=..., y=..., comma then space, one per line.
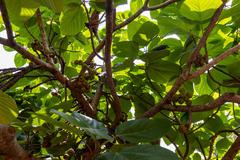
x=141, y=152
x=56, y=5
x=145, y=33
x=199, y=10
x=90, y=126
x=125, y=49
x=143, y=130
x=163, y=71
x=19, y=60
x=73, y=19
x=21, y=10
x=8, y=109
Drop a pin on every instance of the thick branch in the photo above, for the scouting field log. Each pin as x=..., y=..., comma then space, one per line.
x=107, y=59
x=9, y=146
x=233, y=150
x=6, y=20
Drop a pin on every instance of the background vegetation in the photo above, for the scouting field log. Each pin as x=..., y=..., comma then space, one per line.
x=93, y=83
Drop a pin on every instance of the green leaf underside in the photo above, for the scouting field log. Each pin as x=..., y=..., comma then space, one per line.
x=8, y=109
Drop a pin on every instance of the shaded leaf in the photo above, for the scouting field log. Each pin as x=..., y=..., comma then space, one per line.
x=143, y=130
x=163, y=71
x=91, y=126
x=141, y=152
x=8, y=108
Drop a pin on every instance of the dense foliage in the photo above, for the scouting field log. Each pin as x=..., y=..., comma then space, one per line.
x=92, y=82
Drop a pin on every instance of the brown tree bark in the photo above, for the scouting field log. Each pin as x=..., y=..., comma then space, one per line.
x=9, y=146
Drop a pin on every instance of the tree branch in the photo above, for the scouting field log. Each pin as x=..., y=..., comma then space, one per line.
x=97, y=97
x=213, y=138
x=16, y=78
x=184, y=75
x=9, y=146
x=233, y=150
x=107, y=59
x=6, y=21
x=46, y=49
x=142, y=9
x=47, y=66
x=226, y=97
x=214, y=61
x=126, y=22
x=162, y=5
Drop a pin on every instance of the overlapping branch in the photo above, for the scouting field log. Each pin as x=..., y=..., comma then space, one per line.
x=107, y=59
x=10, y=42
x=186, y=72
x=226, y=97
x=233, y=150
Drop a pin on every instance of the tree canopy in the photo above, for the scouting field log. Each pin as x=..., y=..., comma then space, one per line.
x=93, y=82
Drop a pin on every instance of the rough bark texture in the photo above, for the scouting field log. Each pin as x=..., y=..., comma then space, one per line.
x=9, y=146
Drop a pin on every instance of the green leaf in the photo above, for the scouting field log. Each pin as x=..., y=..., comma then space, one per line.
x=145, y=33
x=8, y=108
x=222, y=145
x=142, y=103
x=91, y=126
x=169, y=25
x=143, y=130
x=197, y=156
x=215, y=124
x=21, y=10
x=198, y=10
x=155, y=55
x=56, y=5
x=163, y=71
x=19, y=60
x=135, y=5
x=126, y=49
x=140, y=152
x=155, y=2
x=71, y=71
x=72, y=20
x=201, y=100
x=60, y=124
x=232, y=69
